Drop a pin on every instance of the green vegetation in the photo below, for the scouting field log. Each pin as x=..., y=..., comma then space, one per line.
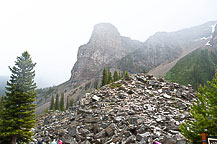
x=115, y=76
x=17, y=116
x=67, y=103
x=195, y=68
x=96, y=84
x=126, y=75
x=107, y=77
x=45, y=91
x=110, y=80
x=204, y=112
x=71, y=102
x=57, y=105
x=115, y=85
x=62, y=102
x=104, y=78
x=52, y=103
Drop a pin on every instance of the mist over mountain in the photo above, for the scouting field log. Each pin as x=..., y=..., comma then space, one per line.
x=3, y=83
x=108, y=49
x=199, y=66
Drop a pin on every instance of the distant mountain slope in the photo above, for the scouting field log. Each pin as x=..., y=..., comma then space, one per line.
x=197, y=67
x=165, y=47
x=3, y=83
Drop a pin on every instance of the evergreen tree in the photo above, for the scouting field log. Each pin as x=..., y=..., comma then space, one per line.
x=2, y=102
x=18, y=116
x=57, y=106
x=67, y=103
x=62, y=102
x=71, y=102
x=104, y=77
x=115, y=76
x=109, y=77
x=145, y=71
x=96, y=84
x=126, y=75
x=52, y=103
x=204, y=112
x=120, y=75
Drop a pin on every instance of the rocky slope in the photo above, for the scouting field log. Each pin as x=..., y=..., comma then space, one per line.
x=199, y=66
x=137, y=110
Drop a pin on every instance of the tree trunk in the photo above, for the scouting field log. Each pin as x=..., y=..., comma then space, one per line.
x=13, y=140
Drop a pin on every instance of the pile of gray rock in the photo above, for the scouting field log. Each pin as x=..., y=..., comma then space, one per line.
x=137, y=110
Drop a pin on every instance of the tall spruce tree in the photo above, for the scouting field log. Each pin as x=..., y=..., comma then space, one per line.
x=18, y=116
x=204, y=113
x=2, y=102
x=104, y=77
x=52, y=103
x=67, y=103
x=115, y=76
x=126, y=75
x=109, y=77
x=96, y=84
x=57, y=105
x=71, y=102
x=62, y=102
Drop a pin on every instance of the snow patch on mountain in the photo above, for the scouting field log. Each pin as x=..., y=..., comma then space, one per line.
x=213, y=27
x=208, y=43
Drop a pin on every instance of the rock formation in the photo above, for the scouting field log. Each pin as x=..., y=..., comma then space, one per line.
x=104, y=48
x=137, y=110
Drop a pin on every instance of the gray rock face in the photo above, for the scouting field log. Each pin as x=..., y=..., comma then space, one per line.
x=152, y=110
x=105, y=47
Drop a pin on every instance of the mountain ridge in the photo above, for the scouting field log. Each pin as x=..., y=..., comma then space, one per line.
x=108, y=49
x=197, y=67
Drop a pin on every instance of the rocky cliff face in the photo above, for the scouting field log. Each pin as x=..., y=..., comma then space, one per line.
x=137, y=110
x=104, y=48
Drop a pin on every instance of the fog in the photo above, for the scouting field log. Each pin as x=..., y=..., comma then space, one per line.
x=53, y=30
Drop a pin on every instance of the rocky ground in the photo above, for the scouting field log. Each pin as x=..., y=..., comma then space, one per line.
x=137, y=110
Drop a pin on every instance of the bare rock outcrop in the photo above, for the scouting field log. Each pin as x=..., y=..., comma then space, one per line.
x=104, y=48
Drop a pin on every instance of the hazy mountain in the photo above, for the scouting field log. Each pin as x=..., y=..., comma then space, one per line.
x=107, y=48
x=164, y=48
x=3, y=83
x=197, y=67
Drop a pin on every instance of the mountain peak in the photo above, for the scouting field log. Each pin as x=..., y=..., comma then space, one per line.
x=104, y=30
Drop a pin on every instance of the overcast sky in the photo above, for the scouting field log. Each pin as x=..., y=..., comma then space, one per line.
x=53, y=30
